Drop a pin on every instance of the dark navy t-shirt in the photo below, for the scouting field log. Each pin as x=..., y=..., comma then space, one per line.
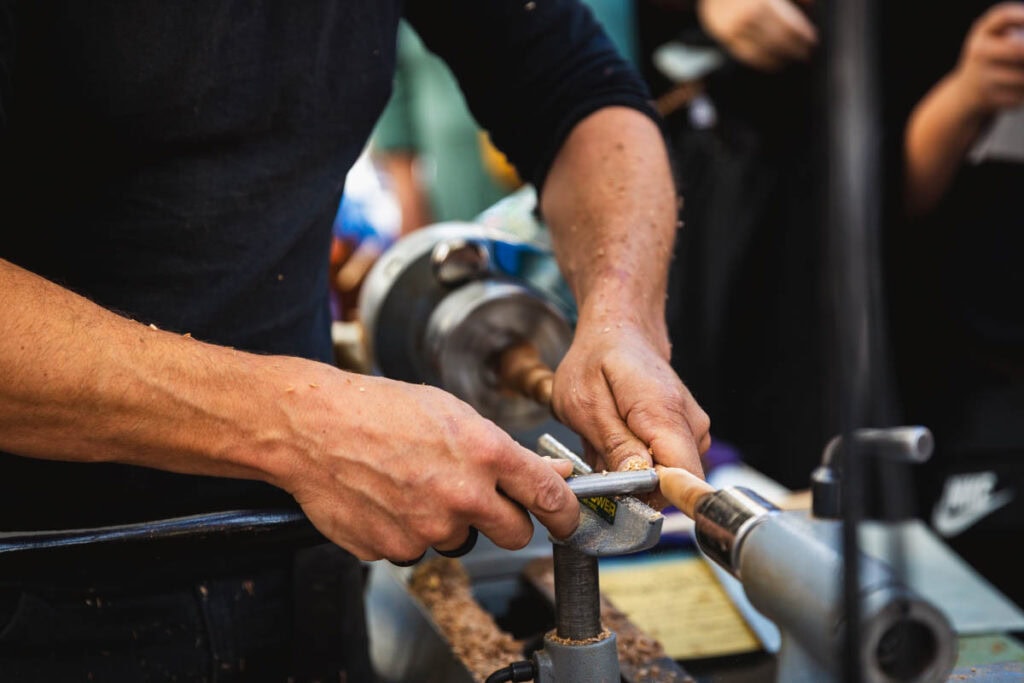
x=181, y=164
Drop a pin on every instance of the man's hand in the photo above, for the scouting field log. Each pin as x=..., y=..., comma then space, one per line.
x=764, y=34
x=388, y=469
x=617, y=390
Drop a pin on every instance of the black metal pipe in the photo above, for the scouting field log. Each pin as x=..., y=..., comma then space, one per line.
x=577, y=594
x=854, y=209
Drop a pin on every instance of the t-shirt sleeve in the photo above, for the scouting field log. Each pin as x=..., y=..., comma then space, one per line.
x=530, y=70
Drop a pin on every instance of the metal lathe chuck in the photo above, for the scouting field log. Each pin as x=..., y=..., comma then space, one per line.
x=442, y=303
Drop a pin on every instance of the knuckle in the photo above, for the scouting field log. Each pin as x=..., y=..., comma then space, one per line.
x=366, y=555
x=628, y=458
x=624, y=449
x=394, y=549
x=675, y=392
x=490, y=447
x=650, y=414
x=577, y=399
x=551, y=494
x=437, y=530
x=615, y=441
x=466, y=502
x=702, y=422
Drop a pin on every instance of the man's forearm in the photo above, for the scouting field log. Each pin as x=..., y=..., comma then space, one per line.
x=612, y=207
x=382, y=468
x=82, y=383
x=611, y=203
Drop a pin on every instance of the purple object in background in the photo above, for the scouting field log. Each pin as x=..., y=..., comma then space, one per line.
x=720, y=453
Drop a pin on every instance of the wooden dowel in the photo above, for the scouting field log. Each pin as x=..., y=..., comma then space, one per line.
x=521, y=370
x=682, y=488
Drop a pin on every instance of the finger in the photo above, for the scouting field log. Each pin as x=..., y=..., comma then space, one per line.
x=1003, y=17
x=793, y=35
x=675, y=431
x=664, y=415
x=753, y=49
x=799, y=24
x=762, y=52
x=496, y=526
x=1007, y=77
x=612, y=442
x=398, y=546
x=563, y=467
x=1004, y=87
x=1006, y=52
x=761, y=60
x=504, y=521
x=594, y=457
x=462, y=548
x=793, y=48
x=705, y=443
x=653, y=499
x=784, y=52
x=530, y=481
x=1008, y=96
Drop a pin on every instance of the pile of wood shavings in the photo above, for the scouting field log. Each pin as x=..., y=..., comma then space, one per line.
x=635, y=646
x=443, y=586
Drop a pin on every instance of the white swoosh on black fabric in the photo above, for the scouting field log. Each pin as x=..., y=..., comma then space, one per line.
x=950, y=522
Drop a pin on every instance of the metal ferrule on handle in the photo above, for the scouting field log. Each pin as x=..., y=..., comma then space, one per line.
x=722, y=521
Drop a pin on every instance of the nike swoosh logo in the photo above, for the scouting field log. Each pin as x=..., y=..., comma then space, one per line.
x=950, y=522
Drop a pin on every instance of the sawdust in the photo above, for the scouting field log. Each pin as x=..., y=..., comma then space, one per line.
x=443, y=586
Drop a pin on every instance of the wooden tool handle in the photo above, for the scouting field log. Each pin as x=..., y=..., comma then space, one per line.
x=682, y=488
x=521, y=369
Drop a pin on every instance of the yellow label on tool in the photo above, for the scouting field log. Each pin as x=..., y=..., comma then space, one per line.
x=604, y=507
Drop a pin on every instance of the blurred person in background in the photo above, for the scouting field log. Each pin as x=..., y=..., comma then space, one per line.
x=736, y=81
x=956, y=248
x=368, y=222
x=441, y=164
